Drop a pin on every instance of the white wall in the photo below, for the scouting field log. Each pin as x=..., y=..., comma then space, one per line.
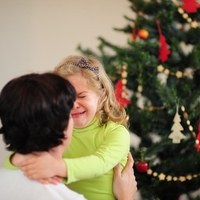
x=36, y=34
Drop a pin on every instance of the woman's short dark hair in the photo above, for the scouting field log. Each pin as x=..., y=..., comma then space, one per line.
x=34, y=111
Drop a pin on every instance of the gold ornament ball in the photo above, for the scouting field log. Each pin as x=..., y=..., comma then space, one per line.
x=143, y=34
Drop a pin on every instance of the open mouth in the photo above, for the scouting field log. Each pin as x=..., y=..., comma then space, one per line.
x=75, y=115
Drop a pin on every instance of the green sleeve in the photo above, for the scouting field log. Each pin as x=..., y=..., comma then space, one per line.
x=8, y=164
x=113, y=150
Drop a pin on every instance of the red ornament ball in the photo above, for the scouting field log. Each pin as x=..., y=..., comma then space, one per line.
x=142, y=166
x=143, y=34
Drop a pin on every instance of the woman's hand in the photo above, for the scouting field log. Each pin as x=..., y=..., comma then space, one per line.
x=124, y=184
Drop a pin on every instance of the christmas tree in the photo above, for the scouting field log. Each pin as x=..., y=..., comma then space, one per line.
x=157, y=79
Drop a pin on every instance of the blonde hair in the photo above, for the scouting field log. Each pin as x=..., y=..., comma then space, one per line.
x=108, y=108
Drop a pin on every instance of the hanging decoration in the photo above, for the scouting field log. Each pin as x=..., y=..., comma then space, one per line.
x=142, y=166
x=176, y=134
x=143, y=34
x=190, y=6
x=197, y=145
x=120, y=88
x=164, y=51
x=134, y=34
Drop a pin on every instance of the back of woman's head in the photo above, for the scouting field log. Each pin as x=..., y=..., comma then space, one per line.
x=96, y=79
x=34, y=111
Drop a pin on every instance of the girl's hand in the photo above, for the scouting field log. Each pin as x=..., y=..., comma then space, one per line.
x=54, y=180
x=39, y=166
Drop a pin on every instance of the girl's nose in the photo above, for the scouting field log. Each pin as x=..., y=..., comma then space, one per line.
x=76, y=104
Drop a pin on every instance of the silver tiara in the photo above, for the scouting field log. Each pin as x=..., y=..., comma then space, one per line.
x=83, y=63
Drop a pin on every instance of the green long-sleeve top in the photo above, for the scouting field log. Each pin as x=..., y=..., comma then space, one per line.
x=90, y=159
x=91, y=156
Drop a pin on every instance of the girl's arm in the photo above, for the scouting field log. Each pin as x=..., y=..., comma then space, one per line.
x=41, y=166
x=114, y=148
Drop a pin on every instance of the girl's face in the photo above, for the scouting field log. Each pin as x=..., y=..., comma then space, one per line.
x=85, y=106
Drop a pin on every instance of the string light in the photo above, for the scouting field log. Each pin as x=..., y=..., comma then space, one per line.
x=185, y=115
x=193, y=23
x=178, y=74
x=162, y=177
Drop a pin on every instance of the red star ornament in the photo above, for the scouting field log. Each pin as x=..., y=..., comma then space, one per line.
x=190, y=6
x=164, y=51
x=118, y=93
x=134, y=33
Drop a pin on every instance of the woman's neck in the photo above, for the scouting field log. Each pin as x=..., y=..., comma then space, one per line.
x=56, y=152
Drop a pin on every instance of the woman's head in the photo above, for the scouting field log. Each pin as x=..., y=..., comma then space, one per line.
x=94, y=77
x=35, y=110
